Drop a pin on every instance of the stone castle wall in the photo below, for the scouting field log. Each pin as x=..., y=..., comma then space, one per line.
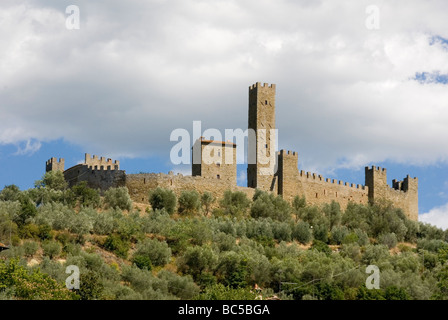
x=215, y=160
x=139, y=185
x=96, y=162
x=403, y=194
x=54, y=165
x=217, y=176
x=102, y=179
x=316, y=189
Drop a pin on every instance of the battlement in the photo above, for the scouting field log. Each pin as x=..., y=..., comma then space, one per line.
x=98, y=162
x=317, y=177
x=288, y=153
x=55, y=161
x=405, y=184
x=260, y=85
x=103, y=168
x=377, y=169
x=54, y=165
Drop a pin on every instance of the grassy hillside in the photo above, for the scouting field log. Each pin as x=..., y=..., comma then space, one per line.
x=182, y=249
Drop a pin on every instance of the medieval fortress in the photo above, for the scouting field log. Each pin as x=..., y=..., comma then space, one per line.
x=280, y=174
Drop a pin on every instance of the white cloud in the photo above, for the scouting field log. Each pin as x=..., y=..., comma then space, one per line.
x=437, y=216
x=29, y=147
x=136, y=70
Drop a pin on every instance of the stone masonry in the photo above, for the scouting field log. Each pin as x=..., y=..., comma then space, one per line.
x=214, y=159
x=268, y=170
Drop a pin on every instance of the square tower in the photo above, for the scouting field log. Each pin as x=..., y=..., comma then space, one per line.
x=214, y=159
x=261, y=144
x=54, y=165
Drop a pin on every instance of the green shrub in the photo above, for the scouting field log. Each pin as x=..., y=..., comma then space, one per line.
x=338, y=234
x=224, y=242
x=197, y=260
x=412, y=230
x=103, y=224
x=431, y=245
x=118, y=198
x=298, y=205
x=142, y=262
x=10, y=193
x=45, y=232
x=221, y=292
x=81, y=223
x=320, y=246
x=90, y=286
x=320, y=232
x=52, y=180
x=350, y=237
x=260, y=229
x=375, y=253
x=395, y=293
x=115, y=243
x=356, y=216
x=29, y=231
x=51, y=248
x=54, y=269
x=282, y=231
x=67, y=241
x=33, y=285
x=161, y=198
x=429, y=232
x=363, y=238
x=189, y=202
x=388, y=239
x=232, y=269
x=235, y=203
x=207, y=200
x=302, y=232
x=30, y=248
x=86, y=196
x=157, y=251
x=27, y=211
x=332, y=212
x=267, y=205
x=182, y=287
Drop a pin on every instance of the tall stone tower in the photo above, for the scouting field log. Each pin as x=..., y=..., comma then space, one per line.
x=261, y=145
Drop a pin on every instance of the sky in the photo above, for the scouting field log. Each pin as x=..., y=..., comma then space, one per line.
x=359, y=83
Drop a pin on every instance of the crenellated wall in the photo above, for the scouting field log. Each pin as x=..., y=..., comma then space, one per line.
x=101, y=178
x=317, y=189
x=96, y=162
x=403, y=194
x=216, y=176
x=54, y=165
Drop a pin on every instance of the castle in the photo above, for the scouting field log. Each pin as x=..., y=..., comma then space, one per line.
x=267, y=169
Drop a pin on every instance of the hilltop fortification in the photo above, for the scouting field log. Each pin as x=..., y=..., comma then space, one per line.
x=267, y=170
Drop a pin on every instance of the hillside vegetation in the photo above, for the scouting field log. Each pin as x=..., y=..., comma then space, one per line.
x=197, y=247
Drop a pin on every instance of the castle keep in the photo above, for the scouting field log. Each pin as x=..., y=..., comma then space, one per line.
x=214, y=169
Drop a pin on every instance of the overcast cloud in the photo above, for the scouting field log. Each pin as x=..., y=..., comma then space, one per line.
x=136, y=70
